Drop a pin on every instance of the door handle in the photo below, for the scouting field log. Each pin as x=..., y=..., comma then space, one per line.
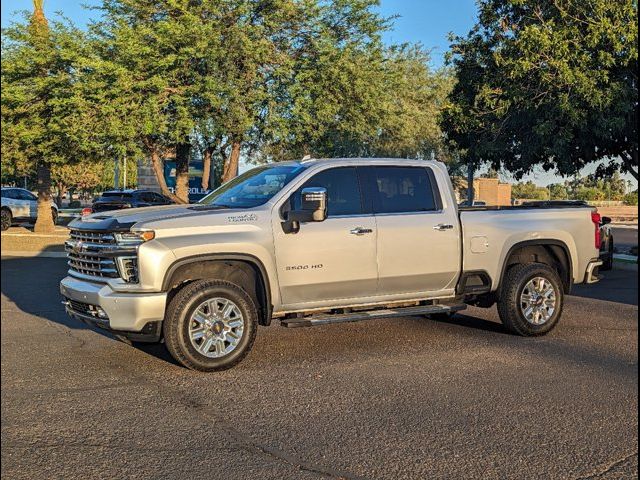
x=441, y=227
x=360, y=231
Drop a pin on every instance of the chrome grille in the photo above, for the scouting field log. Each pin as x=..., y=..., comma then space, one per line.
x=91, y=253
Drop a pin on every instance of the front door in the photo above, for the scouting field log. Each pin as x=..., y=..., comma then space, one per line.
x=418, y=242
x=328, y=262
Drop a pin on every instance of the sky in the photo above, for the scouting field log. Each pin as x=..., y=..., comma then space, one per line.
x=428, y=22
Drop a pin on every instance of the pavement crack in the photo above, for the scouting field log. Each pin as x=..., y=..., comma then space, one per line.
x=603, y=469
x=274, y=452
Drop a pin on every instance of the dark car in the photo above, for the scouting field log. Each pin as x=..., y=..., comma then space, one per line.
x=119, y=199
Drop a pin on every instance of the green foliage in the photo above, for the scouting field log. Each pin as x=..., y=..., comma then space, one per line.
x=631, y=198
x=529, y=191
x=547, y=83
x=44, y=114
x=558, y=191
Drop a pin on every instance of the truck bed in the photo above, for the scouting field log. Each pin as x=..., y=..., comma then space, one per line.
x=489, y=234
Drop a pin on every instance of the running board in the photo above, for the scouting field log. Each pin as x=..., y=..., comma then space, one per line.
x=369, y=315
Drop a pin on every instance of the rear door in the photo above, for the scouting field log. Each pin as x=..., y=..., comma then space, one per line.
x=330, y=260
x=418, y=242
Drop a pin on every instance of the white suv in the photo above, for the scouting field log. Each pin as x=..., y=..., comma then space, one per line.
x=21, y=204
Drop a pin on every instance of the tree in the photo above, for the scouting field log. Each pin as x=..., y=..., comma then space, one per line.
x=631, y=198
x=529, y=191
x=558, y=191
x=547, y=82
x=83, y=175
x=43, y=113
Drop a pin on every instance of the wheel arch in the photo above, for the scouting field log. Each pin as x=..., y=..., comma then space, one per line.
x=554, y=253
x=244, y=270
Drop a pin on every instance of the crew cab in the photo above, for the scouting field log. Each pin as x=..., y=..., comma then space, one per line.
x=317, y=242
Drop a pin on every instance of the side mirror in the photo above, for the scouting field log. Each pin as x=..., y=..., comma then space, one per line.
x=605, y=220
x=313, y=208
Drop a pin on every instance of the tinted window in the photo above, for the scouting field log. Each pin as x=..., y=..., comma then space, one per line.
x=24, y=195
x=157, y=198
x=402, y=189
x=343, y=191
x=8, y=194
x=113, y=195
x=146, y=197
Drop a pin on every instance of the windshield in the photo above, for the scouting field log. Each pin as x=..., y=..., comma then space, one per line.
x=253, y=188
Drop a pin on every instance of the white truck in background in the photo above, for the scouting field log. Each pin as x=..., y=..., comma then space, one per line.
x=318, y=242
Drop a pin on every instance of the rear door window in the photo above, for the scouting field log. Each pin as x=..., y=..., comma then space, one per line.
x=403, y=190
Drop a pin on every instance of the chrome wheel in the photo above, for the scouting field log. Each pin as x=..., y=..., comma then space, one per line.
x=538, y=301
x=216, y=327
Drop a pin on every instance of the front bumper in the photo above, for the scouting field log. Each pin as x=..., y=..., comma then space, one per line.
x=593, y=271
x=120, y=312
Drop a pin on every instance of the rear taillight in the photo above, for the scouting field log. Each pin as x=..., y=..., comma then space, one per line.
x=596, y=218
x=87, y=211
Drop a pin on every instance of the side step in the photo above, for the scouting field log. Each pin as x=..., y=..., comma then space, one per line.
x=326, y=319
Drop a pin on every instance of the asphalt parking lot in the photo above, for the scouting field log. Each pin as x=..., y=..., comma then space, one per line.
x=390, y=398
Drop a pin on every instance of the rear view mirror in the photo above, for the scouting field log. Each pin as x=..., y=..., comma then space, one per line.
x=313, y=208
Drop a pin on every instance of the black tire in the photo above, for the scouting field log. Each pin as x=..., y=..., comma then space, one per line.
x=54, y=216
x=6, y=219
x=178, y=317
x=509, y=306
x=608, y=263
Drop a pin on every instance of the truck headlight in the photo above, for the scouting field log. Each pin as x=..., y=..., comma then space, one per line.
x=134, y=238
x=128, y=268
x=128, y=264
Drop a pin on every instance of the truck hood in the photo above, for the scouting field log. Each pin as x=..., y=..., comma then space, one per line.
x=126, y=218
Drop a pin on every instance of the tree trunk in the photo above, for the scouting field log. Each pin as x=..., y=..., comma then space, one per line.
x=183, y=150
x=206, y=167
x=158, y=170
x=230, y=170
x=44, y=222
x=60, y=194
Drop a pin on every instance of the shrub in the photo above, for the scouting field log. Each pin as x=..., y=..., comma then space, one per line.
x=631, y=198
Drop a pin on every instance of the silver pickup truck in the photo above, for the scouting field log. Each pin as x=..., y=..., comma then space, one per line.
x=318, y=242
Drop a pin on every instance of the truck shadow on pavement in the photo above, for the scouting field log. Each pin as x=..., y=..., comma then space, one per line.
x=30, y=285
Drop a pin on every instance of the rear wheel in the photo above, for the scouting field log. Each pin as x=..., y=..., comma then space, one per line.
x=531, y=299
x=6, y=219
x=210, y=325
x=608, y=263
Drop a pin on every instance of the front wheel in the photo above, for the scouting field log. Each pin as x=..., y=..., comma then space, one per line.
x=210, y=325
x=531, y=299
x=6, y=219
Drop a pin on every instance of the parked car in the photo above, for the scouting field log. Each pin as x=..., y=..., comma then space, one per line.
x=607, y=246
x=476, y=203
x=119, y=199
x=19, y=204
x=318, y=242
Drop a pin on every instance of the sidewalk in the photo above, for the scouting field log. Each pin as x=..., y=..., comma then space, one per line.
x=22, y=242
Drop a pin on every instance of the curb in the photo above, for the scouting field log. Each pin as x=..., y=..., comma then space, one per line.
x=619, y=257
